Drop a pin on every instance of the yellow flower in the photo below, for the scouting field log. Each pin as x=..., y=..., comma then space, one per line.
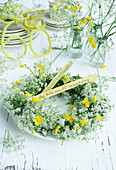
x=65, y=116
x=94, y=99
x=97, y=103
x=70, y=118
x=89, y=18
x=90, y=24
x=57, y=129
x=65, y=76
x=85, y=122
x=67, y=80
x=78, y=27
x=41, y=66
x=35, y=99
x=40, y=71
x=74, y=8
x=87, y=104
x=21, y=65
x=79, y=6
x=19, y=91
x=67, y=7
x=84, y=21
x=38, y=120
x=71, y=106
x=32, y=131
x=59, y=1
x=84, y=101
x=99, y=118
x=103, y=66
x=13, y=85
x=27, y=95
x=55, y=8
x=92, y=82
x=17, y=82
x=93, y=45
x=91, y=39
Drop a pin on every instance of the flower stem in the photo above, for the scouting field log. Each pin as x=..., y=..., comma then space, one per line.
x=109, y=29
x=108, y=12
x=100, y=55
x=112, y=34
x=64, y=49
x=93, y=55
x=29, y=69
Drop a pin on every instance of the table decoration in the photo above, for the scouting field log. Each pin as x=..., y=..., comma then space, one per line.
x=97, y=26
x=28, y=21
x=85, y=105
x=100, y=33
x=77, y=18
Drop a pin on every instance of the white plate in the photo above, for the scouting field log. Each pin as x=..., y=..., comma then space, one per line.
x=20, y=44
x=53, y=28
x=15, y=40
x=54, y=25
x=51, y=21
x=21, y=32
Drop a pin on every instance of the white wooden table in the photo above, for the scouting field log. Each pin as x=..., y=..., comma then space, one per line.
x=41, y=154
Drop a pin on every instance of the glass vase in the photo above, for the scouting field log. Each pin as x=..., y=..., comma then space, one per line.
x=98, y=55
x=75, y=50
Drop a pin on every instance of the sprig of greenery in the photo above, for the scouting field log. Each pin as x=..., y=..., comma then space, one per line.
x=13, y=144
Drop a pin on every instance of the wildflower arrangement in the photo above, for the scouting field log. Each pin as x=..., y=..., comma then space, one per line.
x=83, y=111
x=99, y=34
x=75, y=16
x=97, y=25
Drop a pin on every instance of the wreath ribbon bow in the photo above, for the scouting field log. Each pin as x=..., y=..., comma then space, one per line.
x=29, y=22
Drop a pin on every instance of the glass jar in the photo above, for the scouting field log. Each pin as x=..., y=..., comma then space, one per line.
x=76, y=44
x=98, y=55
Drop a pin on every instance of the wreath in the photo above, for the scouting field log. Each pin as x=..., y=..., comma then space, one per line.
x=81, y=109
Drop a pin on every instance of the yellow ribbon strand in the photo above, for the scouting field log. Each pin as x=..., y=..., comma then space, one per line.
x=30, y=25
x=30, y=43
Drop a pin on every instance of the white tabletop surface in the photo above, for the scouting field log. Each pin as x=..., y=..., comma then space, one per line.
x=42, y=154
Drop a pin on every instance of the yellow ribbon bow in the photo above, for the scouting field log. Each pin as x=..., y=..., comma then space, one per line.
x=29, y=22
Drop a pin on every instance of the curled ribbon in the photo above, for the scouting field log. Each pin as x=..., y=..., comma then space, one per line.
x=29, y=23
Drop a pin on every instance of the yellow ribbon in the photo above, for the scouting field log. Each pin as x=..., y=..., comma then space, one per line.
x=49, y=91
x=30, y=21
